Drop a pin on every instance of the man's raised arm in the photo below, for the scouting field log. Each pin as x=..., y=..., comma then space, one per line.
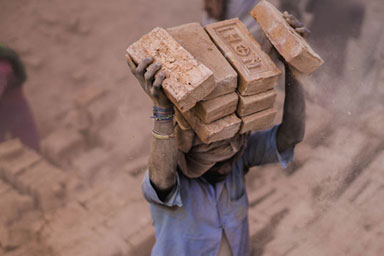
x=292, y=127
x=163, y=156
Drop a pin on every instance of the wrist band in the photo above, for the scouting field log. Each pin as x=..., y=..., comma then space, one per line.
x=163, y=114
x=162, y=136
x=167, y=110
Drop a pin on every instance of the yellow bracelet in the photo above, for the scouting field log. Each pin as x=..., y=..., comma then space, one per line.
x=162, y=136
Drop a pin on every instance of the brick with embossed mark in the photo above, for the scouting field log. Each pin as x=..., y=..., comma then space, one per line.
x=196, y=41
x=257, y=72
x=187, y=81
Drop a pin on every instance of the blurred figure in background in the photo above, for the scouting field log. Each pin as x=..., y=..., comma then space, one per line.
x=16, y=119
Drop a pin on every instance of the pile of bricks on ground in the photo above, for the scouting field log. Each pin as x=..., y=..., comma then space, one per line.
x=332, y=189
x=46, y=210
x=218, y=77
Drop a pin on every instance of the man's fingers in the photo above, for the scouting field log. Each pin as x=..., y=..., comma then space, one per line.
x=151, y=70
x=157, y=84
x=286, y=14
x=143, y=66
x=131, y=64
x=292, y=21
x=303, y=31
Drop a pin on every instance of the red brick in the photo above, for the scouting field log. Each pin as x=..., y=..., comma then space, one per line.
x=143, y=241
x=11, y=168
x=373, y=121
x=258, y=121
x=255, y=103
x=89, y=163
x=4, y=187
x=221, y=129
x=45, y=183
x=136, y=166
x=295, y=50
x=196, y=41
x=183, y=124
x=214, y=109
x=257, y=72
x=106, y=204
x=62, y=144
x=12, y=204
x=187, y=81
x=89, y=95
x=10, y=149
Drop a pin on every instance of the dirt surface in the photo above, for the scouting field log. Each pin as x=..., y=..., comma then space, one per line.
x=81, y=194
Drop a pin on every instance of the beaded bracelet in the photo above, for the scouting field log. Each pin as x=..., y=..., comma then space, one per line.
x=163, y=114
x=162, y=136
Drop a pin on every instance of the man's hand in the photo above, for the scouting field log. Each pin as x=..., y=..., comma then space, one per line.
x=296, y=24
x=146, y=72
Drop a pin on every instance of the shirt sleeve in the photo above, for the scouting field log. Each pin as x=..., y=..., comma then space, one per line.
x=262, y=149
x=149, y=192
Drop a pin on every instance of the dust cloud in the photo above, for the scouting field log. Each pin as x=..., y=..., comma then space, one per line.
x=81, y=194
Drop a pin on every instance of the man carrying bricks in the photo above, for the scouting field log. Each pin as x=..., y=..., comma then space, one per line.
x=16, y=118
x=198, y=197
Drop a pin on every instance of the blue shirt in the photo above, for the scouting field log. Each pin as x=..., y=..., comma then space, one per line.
x=192, y=220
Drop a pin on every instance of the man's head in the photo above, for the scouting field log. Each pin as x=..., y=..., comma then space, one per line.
x=12, y=71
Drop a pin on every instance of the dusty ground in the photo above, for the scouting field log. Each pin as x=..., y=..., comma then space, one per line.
x=81, y=196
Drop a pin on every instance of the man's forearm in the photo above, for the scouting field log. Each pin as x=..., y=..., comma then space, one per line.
x=292, y=127
x=163, y=158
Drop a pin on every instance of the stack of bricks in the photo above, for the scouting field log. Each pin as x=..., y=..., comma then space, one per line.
x=257, y=73
x=219, y=79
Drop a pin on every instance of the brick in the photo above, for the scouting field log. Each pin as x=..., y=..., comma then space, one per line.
x=123, y=224
x=106, y=204
x=295, y=50
x=102, y=112
x=88, y=164
x=214, y=109
x=258, y=195
x=256, y=226
x=61, y=144
x=11, y=168
x=142, y=241
x=136, y=166
x=45, y=183
x=255, y=103
x=369, y=191
x=10, y=148
x=12, y=204
x=257, y=72
x=89, y=95
x=187, y=81
x=183, y=124
x=221, y=129
x=4, y=187
x=258, y=121
x=373, y=121
x=196, y=41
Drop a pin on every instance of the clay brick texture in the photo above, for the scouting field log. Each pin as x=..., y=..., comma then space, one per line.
x=187, y=81
x=295, y=50
x=196, y=41
x=257, y=72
